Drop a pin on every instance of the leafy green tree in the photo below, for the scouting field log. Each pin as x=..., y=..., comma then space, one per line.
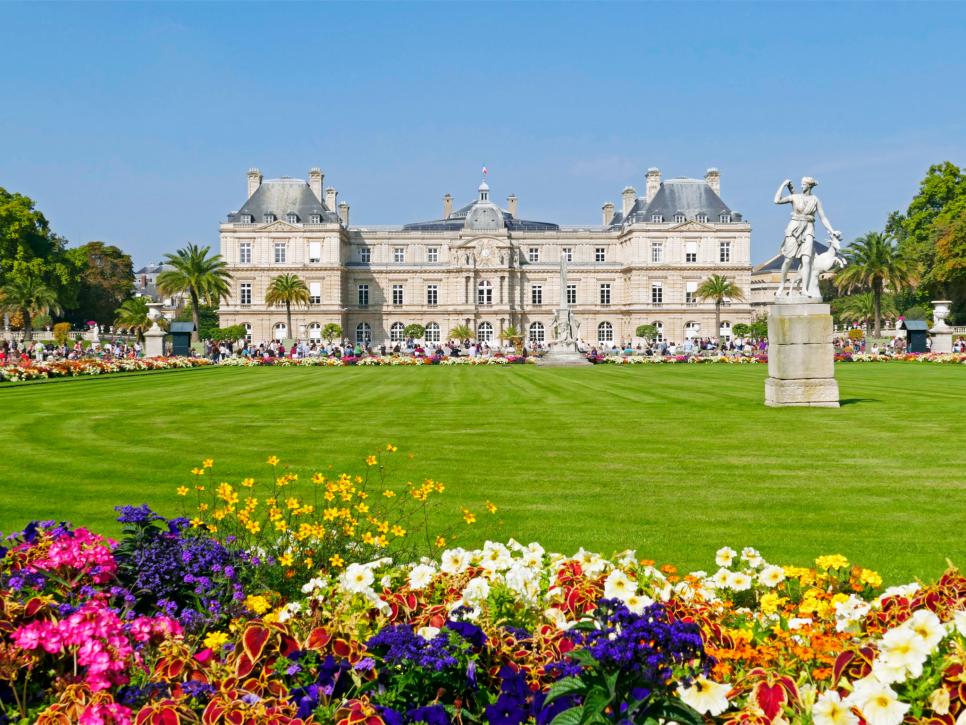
x=287, y=289
x=759, y=328
x=106, y=279
x=875, y=264
x=24, y=232
x=860, y=308
x=740, y=329
x=719, y=289
x=203, y=278
x=28, y=296
x=949, y=270
x=461, y=333
x=414, y=330
x=648, y=332
x=331, y=331
x=133, y=315
x=232, y=333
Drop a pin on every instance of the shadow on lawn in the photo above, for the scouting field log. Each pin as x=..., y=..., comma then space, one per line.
x=853, y=401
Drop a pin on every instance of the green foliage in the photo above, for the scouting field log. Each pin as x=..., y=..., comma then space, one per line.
x=856, y=334
x=461, y=333
x=29, y=296
x=718, y=289
x=60, y=333
x=759, y=328
x=916, y=312
x=287, y=289
x=740, y=329
x=648, y=332
x=876, y=264
x=860, y=308
x=207, y=320
x=133, y=315
x=414, y=330
x=204, y=279
x=41, y=321
x=105, y=280
x=231, y=333
x=331, y=331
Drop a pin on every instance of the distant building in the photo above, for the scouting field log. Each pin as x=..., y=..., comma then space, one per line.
x=146, y=285
x=484, y=266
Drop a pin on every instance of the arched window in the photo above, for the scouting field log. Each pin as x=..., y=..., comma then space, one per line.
x=537, y=332
x=484, y=293
x=363, y=333
x=605, y=332
x=280, y=331
x=691, y=329
x=725, y=330
x=432, y=332
x=248, y=331
x=484, y=332
x=315, y=332
x=660, y=330
x=396, y=332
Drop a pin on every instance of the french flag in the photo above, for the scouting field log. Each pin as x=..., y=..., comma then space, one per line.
x=484, y=169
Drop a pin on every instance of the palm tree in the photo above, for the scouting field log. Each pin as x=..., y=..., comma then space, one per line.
x=29, y=296
x=718, y=289
x=860, y=308
x=204, y=278
x=876, y=265
x=133, y=315
x=288, y=290
x=461, y=333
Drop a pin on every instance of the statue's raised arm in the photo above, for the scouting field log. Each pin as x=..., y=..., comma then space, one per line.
x=786, y=184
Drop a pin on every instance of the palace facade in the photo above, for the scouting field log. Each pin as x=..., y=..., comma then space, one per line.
x=483, y=266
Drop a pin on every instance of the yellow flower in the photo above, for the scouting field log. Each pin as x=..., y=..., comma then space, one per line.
x=469, y=517
x=371, y=460
x=398, y=530
x=248, y=482
x=770, y=603
x=491, y=507
x=198, y=471
x=208, y=462
x=196, y=522
x=388, y=494
x=257, y=603
x=273, y=460
x=336, y=561
x=318, y=479
x=202, y=507
x=391, y=448
x=285, y=560
x=870, y=578
x=182, y=490
x=216, y=640
x=832, y=561
x=362, y=508
x=199, y=488
x=440, y=542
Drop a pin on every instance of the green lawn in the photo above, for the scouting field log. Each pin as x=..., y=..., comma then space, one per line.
x=674, y=461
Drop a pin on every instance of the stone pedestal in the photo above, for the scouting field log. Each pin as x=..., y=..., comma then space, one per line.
x=942, y=339
x=154, y=342
x=563, y=355
x=800, y=355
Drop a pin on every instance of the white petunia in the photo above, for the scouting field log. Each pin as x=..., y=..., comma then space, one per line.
x=901, y=648
x=637, y=603
x=959, y=622
x=428, y=633
x=312, y=584
x=927, y=626
x=720, y=578
x=725, y=556
x=618, y=585
x=357, y=578
x=850, y=614
x=877, y=702
x=705, y=696
x=454, y=561
x=421, y=576
x=739, y=581
x=771, y=576
x=477, y=590
x=830, y=710
x=752, y=556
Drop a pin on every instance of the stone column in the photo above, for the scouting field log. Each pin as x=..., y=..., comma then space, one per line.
x=800, y=356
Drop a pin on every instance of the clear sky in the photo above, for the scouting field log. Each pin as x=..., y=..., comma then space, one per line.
x=135, y=123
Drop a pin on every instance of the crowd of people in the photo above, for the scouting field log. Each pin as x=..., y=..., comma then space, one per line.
x=24, y=352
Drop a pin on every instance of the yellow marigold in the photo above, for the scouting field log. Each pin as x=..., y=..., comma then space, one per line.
x=371, y=460
x=257, y=603
x=318, y=479
x=336, y=561
x=292, y=503
x=208, y=462
x=368, y=538
x=469, y=517
x=198, y=471
x=831, y=561
x=491, y=507
x=202, y=507
x=382, y=542
x=398, y=530
x=271, y=502
x=391, y=448
x=281, y=526
x=254, y=527
x=389, y=494
x=871, y=578
x=182, y=490
x=216, y=640
x=770, y=602
x=438, y=487
x=212, y=529
x=362, y=508
x=272, y=460
x=248, y=482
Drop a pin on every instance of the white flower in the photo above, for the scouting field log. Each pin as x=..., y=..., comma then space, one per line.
x=830, y=710
x=477, y=590
x=900, y=650
x=428, y=633
x=312, y=584
x=799, y=622
x=771, y=576
x=421, y=576
x=959, y=621
x=453, y=561
x=706, y=696
x=636, y=603
x=903, y=590
x=618, y=585
x=496, y=557
x=289, y=611
x=877, y=702
x=739, y=581
x=724, y=557
x=850, y=614
x=927, y=626
x=752, y=557
x=627, y=558
x=720, y=578
x=357, y=578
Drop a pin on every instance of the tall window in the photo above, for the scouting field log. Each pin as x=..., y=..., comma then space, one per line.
x=691, y=329
x=725, y=330
x=605, y=293
x=568, y=253
x=571, y=294
x=315, y=251
x=363, y=333
x=536, y=294
x=600, y=254
x=724, y=251
x=657, y=218
x=280, y=252
x=533, y=254
x=432, y=332
x=660, y=330
x=245, y=253
x=657, y=252
x=397, y=294
x=432, y=295
x=365, y=255
x=432, y=254
x=484, y=332
x=363, y=295
x=537, y=332
x=398, y=254
x=605, y=332
x=280, y=331
x=484, y=293
x=396, y=332
x=725, y=218
x=691, y=252
x=657, y=293
x=315, y=332
x=268, y=218
x=689, y=293
x=245, y=293
x=315, y=218
x=315, y=293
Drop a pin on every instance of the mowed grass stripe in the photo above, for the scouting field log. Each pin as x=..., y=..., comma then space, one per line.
x=672, y=460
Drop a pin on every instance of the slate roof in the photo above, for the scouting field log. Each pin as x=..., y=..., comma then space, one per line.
x=281, y=197
x=915, y=325
x=690, y=197
x=182, y=327
x=455, y=221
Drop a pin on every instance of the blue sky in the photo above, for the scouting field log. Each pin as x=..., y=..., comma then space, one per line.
x=135, y=123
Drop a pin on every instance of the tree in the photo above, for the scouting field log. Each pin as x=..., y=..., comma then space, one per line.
x=719, y=289
x=860, y=308
x=461, y=333
x=29, y=296
x=875, y=265
x=414, y=330
x=133, y=315
x=740, y=329
x=331, y=331
x=287, y=289
x=949, y=235
x=106, y=279
x=202, y=278
x=648, y=332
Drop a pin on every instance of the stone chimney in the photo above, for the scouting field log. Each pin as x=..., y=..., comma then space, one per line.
x=511, y=205
x=713, y=177
x=254, y=181
x=316, y=177
x=330, y=197
x=628, y=197
x=608, y=210
x=447, y=205
x=653, y=183
x=344, y=213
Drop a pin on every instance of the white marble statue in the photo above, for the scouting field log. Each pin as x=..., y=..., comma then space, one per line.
x=565, y=326
x=799, y=241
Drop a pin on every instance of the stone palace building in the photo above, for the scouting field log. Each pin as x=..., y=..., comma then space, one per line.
x=483, y=266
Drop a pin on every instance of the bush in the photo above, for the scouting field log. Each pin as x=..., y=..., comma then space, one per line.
x=648, y=332
x=60, y=333
x=856, y=334
x=415, y=331
x=916, y=312
x=331, y=331
x=234, y=332
x=741, y=330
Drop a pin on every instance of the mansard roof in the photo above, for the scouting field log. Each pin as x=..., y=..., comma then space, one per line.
x=691, y=197
x=282, y=197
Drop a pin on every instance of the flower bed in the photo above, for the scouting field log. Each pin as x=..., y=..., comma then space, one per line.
x=940, y=358
x=375, y=361
x=182, y=622
x=93, y=366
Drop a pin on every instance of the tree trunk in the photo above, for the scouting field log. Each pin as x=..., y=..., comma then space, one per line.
x=717, y=322
x=195, y=318
x=877, y=302
x=28, y=325
x=288, y=320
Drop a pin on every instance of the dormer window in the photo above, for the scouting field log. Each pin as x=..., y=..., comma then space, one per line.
x=247, y=219
x=725, y=218
x=316, y=218
x=657, y=218
x=292, y=218
x=678, y=218
x=703, y=218
x=268, y=218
